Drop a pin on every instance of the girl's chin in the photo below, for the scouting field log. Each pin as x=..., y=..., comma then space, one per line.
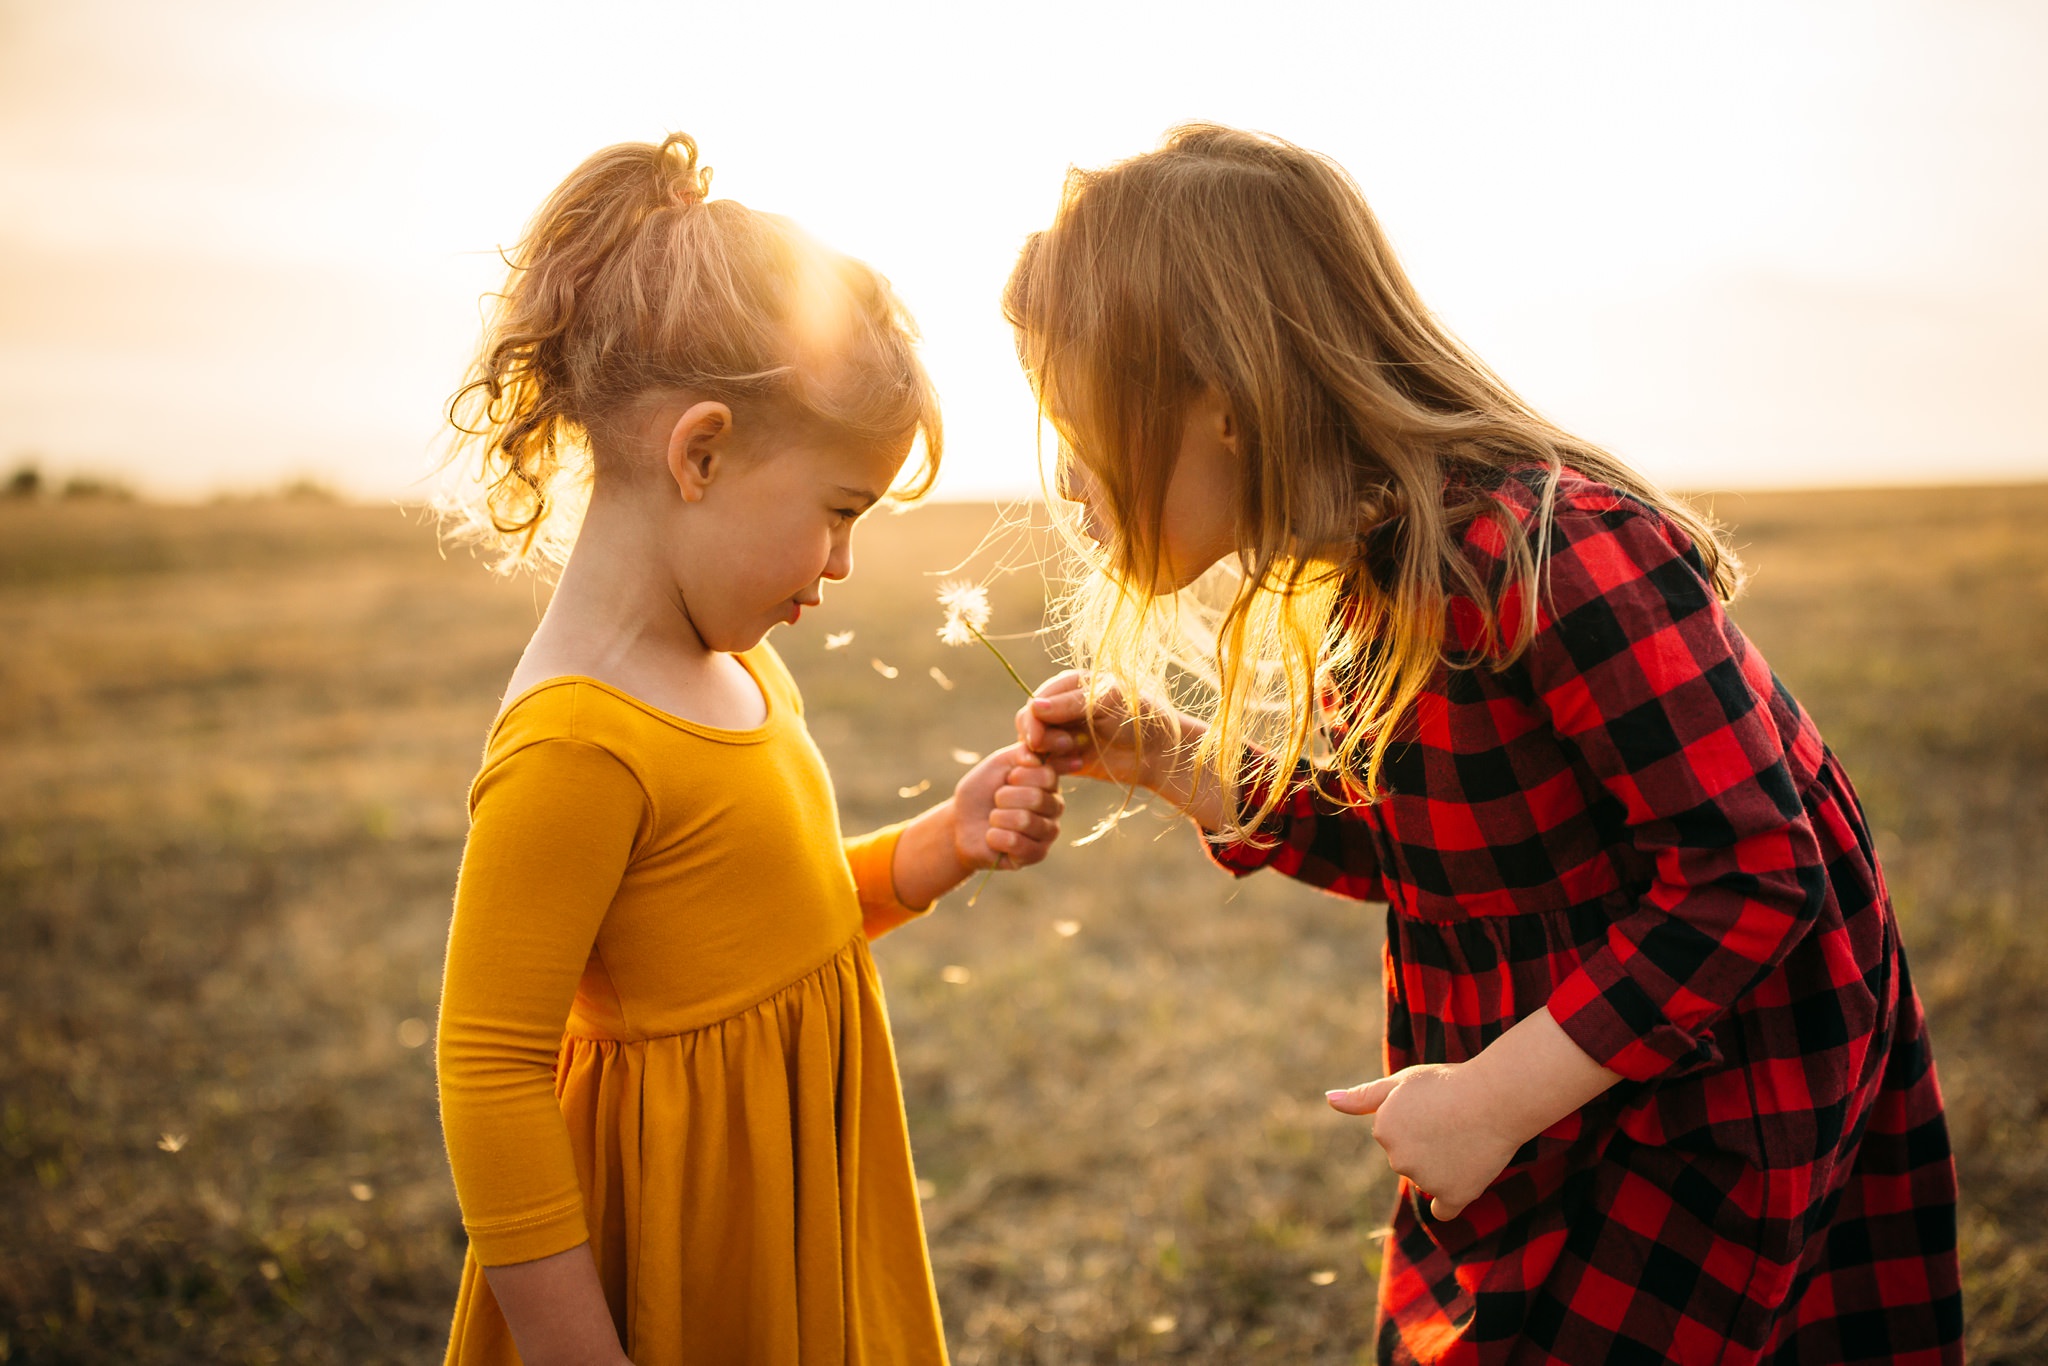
x=1175, y=576
x=739, y=640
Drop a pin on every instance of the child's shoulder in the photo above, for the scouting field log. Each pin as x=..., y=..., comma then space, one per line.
x=569, y=708
x=561, y=736
x=1519, y=491
x=1583, y=512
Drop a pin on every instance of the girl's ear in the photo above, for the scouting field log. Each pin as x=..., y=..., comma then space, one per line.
x=1226, y=423
x=698, y=446
x=1210, y=420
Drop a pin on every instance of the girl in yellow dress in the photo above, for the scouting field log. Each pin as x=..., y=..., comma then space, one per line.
x=667, y=1085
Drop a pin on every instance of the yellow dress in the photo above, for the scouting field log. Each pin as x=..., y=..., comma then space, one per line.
x=661, y=1031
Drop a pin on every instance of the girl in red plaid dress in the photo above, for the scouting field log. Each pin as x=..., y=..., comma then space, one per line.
x=1657, y=1085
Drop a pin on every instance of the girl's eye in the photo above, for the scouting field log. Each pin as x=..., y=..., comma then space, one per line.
x=845, y=514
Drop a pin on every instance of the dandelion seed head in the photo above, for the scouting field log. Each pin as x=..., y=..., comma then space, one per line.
x=967, y=611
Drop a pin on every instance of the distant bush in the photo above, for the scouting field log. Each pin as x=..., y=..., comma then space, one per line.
x=307, y=491
x=82, y=486
x=28, y=482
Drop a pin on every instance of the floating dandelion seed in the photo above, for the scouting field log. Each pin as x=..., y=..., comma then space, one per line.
x=1066, y=929
x=939, y=677
x=966, y=756
x=927, y=1190
x=838, y=640
x=956, y=974
x=885, y=670
x=1108, y=823
x=170, y=1143
x=360, y=1190
x=1162, y=1323
x=1322, y=1278
x=921, y=785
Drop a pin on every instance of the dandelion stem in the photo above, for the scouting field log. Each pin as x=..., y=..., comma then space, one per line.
x=1002, y=861
x=1014, y=676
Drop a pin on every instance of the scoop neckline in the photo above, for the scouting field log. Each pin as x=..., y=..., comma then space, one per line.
x=722, y=734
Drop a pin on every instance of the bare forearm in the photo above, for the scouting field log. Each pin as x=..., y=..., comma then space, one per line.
x=556, y=1309
x=927, y=863
x=1533, y=1076
x=1179, y=780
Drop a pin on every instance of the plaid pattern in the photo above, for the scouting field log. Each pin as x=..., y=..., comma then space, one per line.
x=1636, y=825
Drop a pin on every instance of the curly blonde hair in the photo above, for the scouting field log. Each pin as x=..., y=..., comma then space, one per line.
x=631, y=281
x=1243, y=264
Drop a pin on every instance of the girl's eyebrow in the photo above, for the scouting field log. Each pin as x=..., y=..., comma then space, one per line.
x=867, y=499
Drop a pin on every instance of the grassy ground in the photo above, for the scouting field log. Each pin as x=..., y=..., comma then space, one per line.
x=235, y=741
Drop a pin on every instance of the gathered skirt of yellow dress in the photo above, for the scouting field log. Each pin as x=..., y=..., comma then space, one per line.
x=662, y=1033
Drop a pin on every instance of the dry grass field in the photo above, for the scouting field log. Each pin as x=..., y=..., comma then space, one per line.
x=233, y=746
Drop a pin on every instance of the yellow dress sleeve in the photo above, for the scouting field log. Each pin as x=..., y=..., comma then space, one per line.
x=873, y=857
x=552, y=826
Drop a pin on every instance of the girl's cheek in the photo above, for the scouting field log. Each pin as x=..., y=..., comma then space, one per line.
x=1092, y=523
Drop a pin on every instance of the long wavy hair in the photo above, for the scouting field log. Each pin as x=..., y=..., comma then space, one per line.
x=630, y=281
x=1370, y=438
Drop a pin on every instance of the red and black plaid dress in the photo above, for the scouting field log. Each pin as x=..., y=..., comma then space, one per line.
x=1636, y=825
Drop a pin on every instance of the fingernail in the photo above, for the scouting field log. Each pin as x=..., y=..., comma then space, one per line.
x=1332, y=1095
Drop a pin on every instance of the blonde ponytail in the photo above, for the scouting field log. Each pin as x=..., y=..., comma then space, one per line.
x=629, y=281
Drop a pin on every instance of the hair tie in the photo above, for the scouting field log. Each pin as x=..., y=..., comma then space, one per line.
x=693, y=182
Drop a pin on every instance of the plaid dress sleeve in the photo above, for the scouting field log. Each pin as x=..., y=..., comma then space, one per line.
x=1660, y=700
x=1319, y=839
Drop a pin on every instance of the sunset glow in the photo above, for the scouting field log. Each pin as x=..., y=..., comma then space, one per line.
x=1745, y=245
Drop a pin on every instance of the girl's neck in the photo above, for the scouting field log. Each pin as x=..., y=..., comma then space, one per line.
x=615, y=596
x=616, y=616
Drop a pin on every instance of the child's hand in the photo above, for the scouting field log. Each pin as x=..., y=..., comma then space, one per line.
x=1110, y=740
x=1435, y=1131
x=1103, y=741
x=1147, y=745
x=1006, y=811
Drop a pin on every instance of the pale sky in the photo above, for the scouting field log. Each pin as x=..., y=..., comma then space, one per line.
x=1743, y=244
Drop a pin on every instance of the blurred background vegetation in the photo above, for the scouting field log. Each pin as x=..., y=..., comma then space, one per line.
x=236, y=739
